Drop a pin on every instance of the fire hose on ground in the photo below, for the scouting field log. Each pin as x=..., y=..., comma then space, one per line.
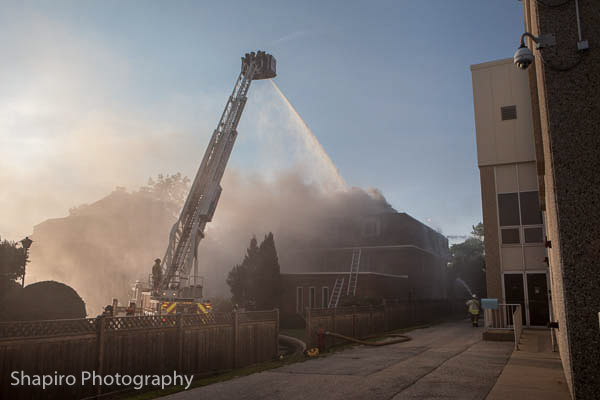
x=401, y=338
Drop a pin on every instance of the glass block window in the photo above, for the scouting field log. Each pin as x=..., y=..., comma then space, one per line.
x=324, y=296
x=299, y=299
x=312, y=297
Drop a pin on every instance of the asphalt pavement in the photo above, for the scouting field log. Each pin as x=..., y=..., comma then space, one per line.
x=446, y=361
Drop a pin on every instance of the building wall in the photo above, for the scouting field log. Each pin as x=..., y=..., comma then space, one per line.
x=569, y=101
x=499, y=84
x=493, y=268
x=425, y=271
x=368, y=285
x=508, y=171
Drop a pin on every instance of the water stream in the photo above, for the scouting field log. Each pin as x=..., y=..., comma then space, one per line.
x=313, y=145
x=465, y=286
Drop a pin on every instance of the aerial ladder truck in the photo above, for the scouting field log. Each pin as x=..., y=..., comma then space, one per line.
x=174, y=290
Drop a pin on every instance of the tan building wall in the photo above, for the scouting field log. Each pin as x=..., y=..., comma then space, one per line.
x=490, y=226
x=506, y=155
x=499, y=84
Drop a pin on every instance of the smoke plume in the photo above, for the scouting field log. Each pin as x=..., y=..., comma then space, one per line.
x=102, y=249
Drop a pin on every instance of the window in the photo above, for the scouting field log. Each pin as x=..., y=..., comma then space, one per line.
x=518, y=211
x=508, y=112
x=312, y=297
x=299, y=299
x=530, y=208
x=511, y=236
x=533, y=235
x=508, y=209
x=325, y=296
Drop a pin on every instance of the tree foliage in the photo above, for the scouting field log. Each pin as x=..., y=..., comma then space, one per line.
x=477, y=232
x=12, y=264
x=256, y=282
x=42, y=301
x=172, y=188
x=468, y=263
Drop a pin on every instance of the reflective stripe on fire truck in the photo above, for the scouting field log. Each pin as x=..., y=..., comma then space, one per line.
x=202, y=308
x=171, y=307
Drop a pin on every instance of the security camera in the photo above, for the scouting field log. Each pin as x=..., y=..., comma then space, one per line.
x=523, y=57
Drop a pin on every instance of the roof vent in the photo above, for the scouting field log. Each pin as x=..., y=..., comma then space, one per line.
x=508, y=112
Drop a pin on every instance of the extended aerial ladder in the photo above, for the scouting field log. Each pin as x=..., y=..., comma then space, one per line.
x=182, y=252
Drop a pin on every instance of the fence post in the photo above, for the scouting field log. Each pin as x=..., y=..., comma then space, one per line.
x=386, y=317
x=100, y=325
x=353, y=321
x=235, y=335
x=308, y=327
x=332, y=319
x=334, y=324
x=386, y=324
x=179, y=323
x=255, y=342
x=276, y=332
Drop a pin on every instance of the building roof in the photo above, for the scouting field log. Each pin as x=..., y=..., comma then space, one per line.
x=490, y=64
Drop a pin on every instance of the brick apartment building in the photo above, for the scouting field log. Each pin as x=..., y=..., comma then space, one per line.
x=400, y=259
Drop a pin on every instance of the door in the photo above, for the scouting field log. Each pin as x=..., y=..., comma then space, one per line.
x=537, y=295
x=514, y=292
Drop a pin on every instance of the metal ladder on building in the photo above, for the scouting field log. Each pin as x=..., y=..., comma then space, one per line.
x=354, y=266
x=336, y=293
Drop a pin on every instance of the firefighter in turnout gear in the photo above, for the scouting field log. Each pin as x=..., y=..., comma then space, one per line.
x=156, y=274
x=474, y=307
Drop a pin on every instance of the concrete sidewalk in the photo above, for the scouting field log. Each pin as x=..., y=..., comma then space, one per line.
x=445, y=361
x=533, y=372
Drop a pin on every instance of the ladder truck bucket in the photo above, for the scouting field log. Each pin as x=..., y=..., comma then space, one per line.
x=266, y=65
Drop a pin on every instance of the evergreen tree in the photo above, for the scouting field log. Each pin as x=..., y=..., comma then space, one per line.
x=268, y=290
x=240, y=279
x=256, y=282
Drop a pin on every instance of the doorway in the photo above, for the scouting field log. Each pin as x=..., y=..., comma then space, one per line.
x=537, y=297
x=514, y=293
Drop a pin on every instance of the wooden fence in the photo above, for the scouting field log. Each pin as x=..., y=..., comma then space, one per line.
x=147, y=345
x=360, y=322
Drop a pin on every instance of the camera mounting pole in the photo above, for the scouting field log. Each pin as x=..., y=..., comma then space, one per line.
x=542, y=41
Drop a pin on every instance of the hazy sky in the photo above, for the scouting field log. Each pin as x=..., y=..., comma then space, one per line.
x=98, y=94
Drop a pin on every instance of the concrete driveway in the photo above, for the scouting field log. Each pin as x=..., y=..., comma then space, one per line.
x=447, y=361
